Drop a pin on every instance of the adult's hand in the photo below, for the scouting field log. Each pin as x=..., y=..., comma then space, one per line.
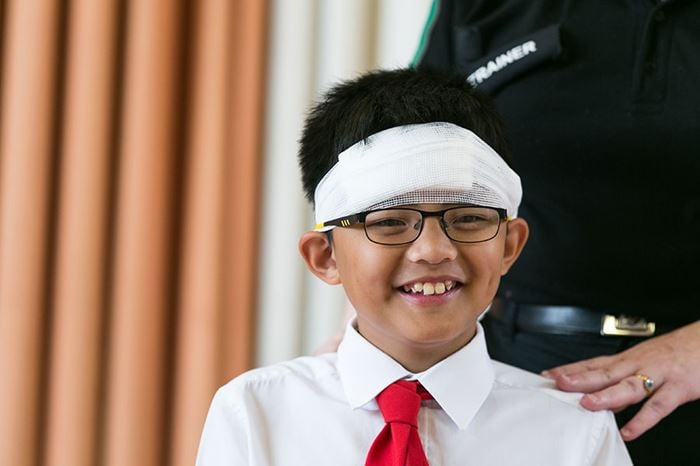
x=615, y=382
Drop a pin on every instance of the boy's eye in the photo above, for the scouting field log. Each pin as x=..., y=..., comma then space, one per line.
x=472, y=219
x=387, y=223
x=469, y=222
x=468, y=219
x=387, y=229
x=383, y=224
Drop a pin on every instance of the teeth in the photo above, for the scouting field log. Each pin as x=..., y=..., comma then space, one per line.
x=429, y=288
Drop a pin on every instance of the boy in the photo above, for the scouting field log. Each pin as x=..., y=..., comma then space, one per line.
x=417, y=218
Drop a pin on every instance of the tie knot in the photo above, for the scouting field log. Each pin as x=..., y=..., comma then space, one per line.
x=400, y=401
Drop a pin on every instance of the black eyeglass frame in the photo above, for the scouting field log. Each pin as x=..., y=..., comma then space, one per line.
x=355, y=219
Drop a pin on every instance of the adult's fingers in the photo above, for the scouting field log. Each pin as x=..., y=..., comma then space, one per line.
x=628, y=391
x=597, y=376
x=662, y=403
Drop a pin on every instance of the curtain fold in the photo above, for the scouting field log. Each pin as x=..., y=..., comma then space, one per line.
x=130, y=140
x=82, y=235
x=245, y=117
x=27, y=158
x=144, y=248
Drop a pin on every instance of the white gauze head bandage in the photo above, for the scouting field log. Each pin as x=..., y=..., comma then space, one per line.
x=430, y=163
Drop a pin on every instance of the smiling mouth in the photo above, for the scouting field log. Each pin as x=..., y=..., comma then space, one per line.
x=430, y=288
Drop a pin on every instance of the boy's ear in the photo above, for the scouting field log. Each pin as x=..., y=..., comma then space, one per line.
x=517, y=232
x=316, y=249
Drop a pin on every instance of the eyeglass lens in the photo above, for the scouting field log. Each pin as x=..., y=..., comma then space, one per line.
x=461, y=224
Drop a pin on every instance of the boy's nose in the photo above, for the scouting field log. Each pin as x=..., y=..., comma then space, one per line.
x=432, y=245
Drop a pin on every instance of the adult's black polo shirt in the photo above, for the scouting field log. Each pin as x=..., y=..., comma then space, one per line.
x=601, y=101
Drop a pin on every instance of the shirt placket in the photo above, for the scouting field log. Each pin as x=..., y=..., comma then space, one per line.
x=425, y=432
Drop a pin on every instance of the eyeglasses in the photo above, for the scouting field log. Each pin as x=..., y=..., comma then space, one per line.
x=400, y=225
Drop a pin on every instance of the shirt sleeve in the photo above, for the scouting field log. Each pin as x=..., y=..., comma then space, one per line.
x=224, y=437
x=608, y=447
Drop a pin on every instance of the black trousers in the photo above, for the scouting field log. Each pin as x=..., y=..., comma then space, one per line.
x=675, y=441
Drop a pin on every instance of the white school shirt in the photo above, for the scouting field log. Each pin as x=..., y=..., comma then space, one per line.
x=320, y=411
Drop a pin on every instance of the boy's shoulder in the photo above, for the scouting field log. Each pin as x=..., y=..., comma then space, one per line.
x=536, y=408
x=283, y=378
x=509, y=377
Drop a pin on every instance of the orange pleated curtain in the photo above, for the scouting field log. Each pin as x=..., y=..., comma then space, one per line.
x=130, y=141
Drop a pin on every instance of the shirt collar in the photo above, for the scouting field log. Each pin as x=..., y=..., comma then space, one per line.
x=459, y=383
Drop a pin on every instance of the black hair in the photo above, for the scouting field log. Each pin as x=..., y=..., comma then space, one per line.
x=356, y=109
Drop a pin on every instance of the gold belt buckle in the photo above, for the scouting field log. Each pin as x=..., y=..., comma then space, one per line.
x=626, y=326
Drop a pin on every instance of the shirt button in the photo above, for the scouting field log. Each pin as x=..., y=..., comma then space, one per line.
x=649, y=67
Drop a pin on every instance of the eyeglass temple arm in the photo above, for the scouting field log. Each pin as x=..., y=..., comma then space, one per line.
x=342, y=221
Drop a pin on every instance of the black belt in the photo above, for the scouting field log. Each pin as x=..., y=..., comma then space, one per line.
x=569, y=320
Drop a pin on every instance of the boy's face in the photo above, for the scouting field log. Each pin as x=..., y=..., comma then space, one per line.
x=418, y=328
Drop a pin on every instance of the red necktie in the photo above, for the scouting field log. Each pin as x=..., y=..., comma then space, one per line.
x=398, y=444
